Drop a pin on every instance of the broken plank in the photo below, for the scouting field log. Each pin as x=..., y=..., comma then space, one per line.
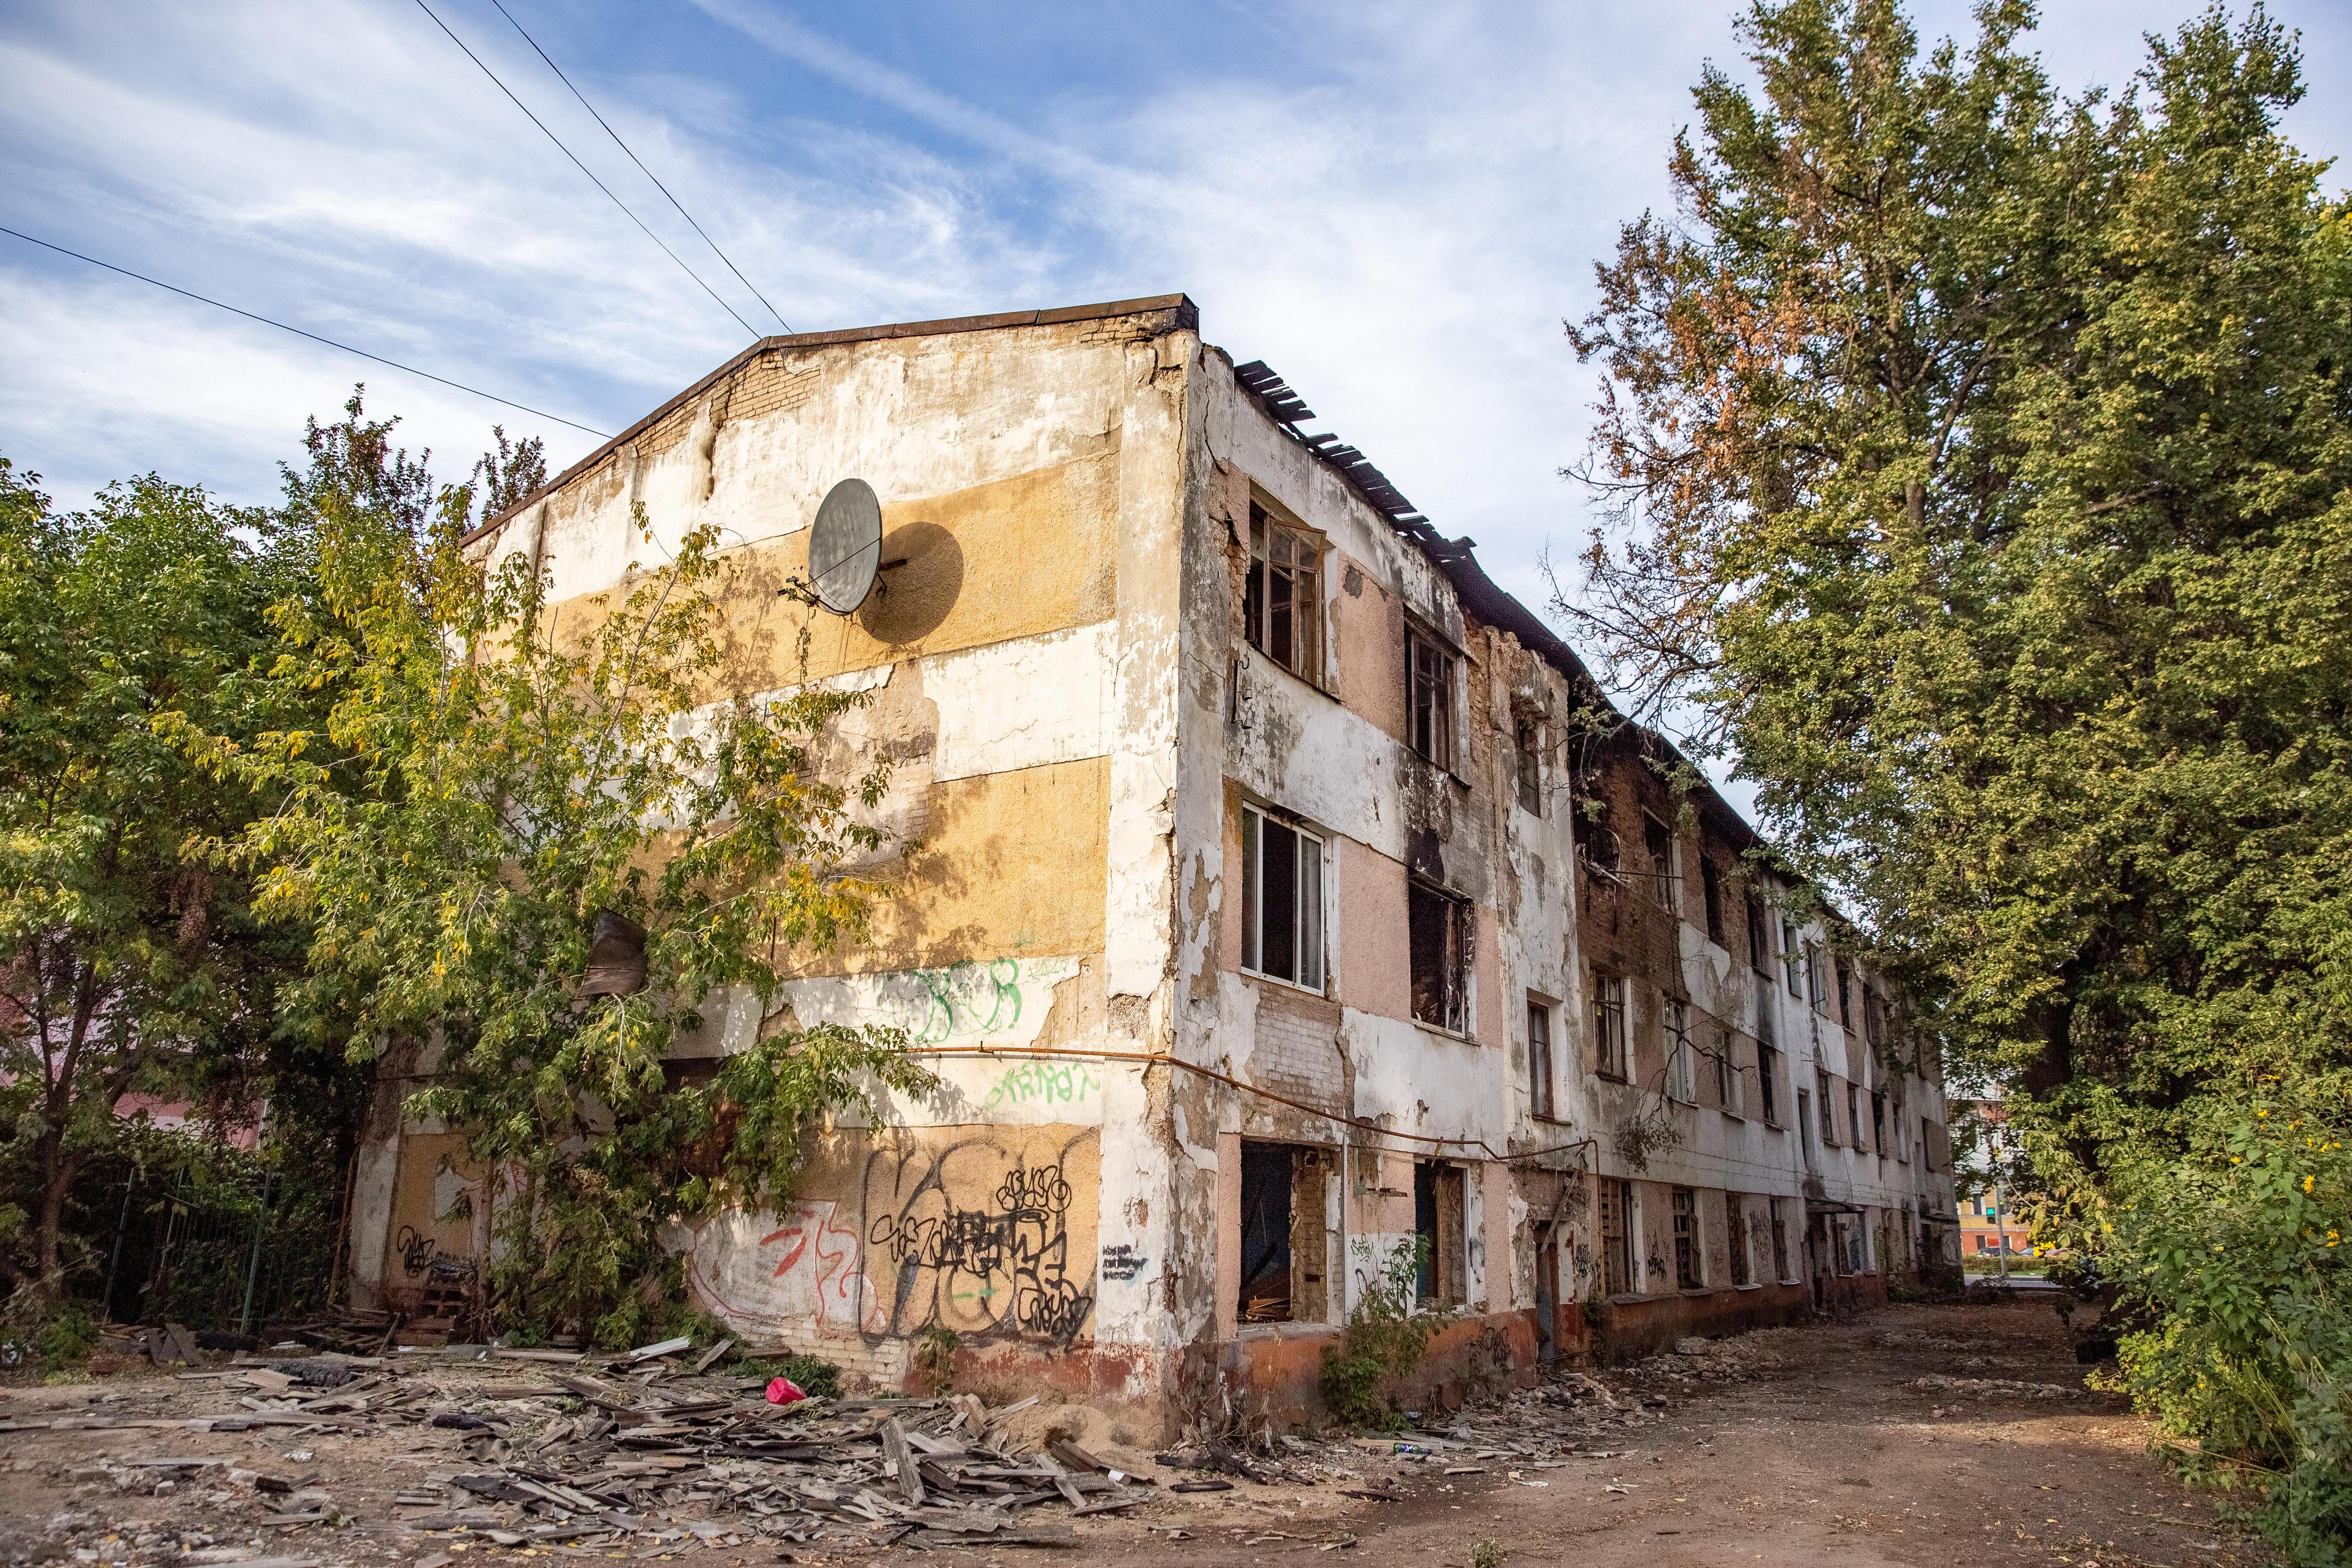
x=711, y=1357
x=901, y=1458
x=661, y=1348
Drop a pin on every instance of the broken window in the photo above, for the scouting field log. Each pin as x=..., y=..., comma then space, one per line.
x=1659, y=840
x=1878, y=1122
x=1539, y=1058
x=1853, y=1114
x=1437, y=1221
x=1844, y=992
x=1780, y=1240
x=1282, y=901
x=1735, y=1237
x=1282, y=1245
x=1609, y=1025
x=1822, y=1098
x=1768, y=1063
x=1817, y=984
x=1282, y=606
x=1429, y=685
x=1682, y=1078
x=1759, y=938
x=1874, y=1018
x=1616, y=1236
x=1528, y=744
x=1687, y=1276
x=1726, y=1071
x=1805, y=1129
x=1439, y=931
x=1711, y=888
x=1793, y=957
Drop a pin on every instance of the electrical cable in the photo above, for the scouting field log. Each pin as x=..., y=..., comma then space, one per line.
x=640, y=162
x=249, y=315
x=584, y=168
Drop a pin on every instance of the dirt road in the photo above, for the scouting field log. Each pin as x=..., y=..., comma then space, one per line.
x=1915, y=1436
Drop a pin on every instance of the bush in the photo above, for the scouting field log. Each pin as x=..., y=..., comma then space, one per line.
x=2236, y=1255
x=1385, y=1338
x=46, y=1336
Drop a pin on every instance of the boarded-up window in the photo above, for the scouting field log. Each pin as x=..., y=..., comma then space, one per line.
x=1616, y=1236
x=1437, y=1221
x=1283, y=604
x=1934, y=1145
x=1438, y=929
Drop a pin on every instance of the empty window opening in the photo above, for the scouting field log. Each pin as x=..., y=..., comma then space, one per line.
x=1437, y=1222
x=1687, y=1261
x=1792, y=958
x=1609, y=1025
x=1759, y=936
x=1616, y=1236
x=1282, y=1234
x=1429, y=681
x=1844, y=992
x=1780, y=1241
x=1439, y=932
x=1539, y=1058
x=1734, y=1239
x=1659, y=840
x=1710, y=882
x=1282, y=901
x=1282, y=605
x=1682, y=1076
x=1528, y=744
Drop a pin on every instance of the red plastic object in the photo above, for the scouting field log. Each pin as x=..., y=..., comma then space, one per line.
x=784, y=1391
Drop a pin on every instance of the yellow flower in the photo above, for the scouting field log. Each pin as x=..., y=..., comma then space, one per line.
x=2306, y=1184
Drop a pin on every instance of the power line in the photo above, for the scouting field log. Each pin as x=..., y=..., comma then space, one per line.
x=231, y=309
x=584, y=168
x=648, y=173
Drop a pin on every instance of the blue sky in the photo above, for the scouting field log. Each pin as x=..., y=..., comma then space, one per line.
x=1395, y=205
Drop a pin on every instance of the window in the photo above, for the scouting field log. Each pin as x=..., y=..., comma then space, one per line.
x=1429, y=685
x=1284, y=1242
x=1437, y=1221
x=1687, y=1260
x=1710, y=881
x=1659, y=840
x=1768, y=1063
x=1609, y=1025
x=1681, y=1070
x=1854, y=1115
x=1874, y=1017
x=1780, y=1241
x=1879, y=1122
x=1792, y=958
x=1735, y=1237
x=1616, y=1236
x=1438, y=926
x=1845, y=993
x=1528, y=744
x=1727, y=1071
x=1817, y=981
x=1539, y=1058
x=1282, y=901
x=1760, y=940
x=1829, y=1107
x=1805, y=1129
x=1282, y=605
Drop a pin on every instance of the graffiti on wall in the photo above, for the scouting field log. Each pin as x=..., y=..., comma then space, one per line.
x=989, y=1235
x=969, y=1000
x=1044, y=1082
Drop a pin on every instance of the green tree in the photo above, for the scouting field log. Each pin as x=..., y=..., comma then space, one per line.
x=1981, y=481
x=126, y=965
x=487, y=784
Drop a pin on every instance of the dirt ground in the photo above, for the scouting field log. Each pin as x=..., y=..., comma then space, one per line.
x=1912, y=1436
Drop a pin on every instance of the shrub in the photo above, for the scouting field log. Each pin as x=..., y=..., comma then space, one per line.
x=1386, y=1336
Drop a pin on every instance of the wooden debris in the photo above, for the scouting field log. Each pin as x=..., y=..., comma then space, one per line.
x=666, y=1347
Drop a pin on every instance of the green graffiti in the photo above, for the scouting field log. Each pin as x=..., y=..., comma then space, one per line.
x=965, y=999
x=1061, y=1083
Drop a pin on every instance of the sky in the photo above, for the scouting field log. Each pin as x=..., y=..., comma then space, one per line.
x=1395, y=205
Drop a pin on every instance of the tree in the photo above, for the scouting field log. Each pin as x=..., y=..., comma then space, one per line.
x=1982, y=481
x=494, y=783
x=125, y=965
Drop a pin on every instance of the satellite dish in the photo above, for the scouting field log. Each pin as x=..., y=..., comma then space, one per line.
x=846, y=546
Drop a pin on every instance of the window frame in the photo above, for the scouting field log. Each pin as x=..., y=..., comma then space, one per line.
x=1611, y=1041
x=1432, y=739
x=1457, y=967
x=1682, y=1071
x=1780, y=1250
x=1710, y=878
x=1728, y=1096
x=1792, y=956
x=1616, y=1236
x=1759, y=936
x=1690, y=1263
x=1526, y=747
x=1314, y=903
x=1541, y=1103
x=1826, y=1109
x=1737, y=1240
x=1269, y=531
x=1665, y=888
x=1817, y=984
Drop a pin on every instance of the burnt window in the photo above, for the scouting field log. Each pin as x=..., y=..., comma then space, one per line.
x=1734, y=1239
x=1282, y=901
x=1284, y=1243
x=1282, y=605
x=1687, y=1276
x=1759, y=938
x=1526, y=746
x=1539, y=1058
x=1609, y=1025
x=1710, y=884
x=1429, y=689
x=1658, y=840
x=1438, y=927
x=1616, y=1236
x=1437, y=1221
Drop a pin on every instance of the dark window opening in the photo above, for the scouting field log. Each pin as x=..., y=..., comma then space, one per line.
x=1710, y=881
x=1844, y=992
x=1539, y=1058
x=1687, y=1260
x=1735, y=1237
x=1529, y=746
x=1793, y=957
x=1609, y=1025
x=1759, y=936
x=1767, y=1083
x=1829, y=1108
x=1780, y=1242
x=1438, y=930
x=1437, y=1222
x=1616, y=1236
x=1878, y=1122
x=1658, y=840
x=1282, y=604
x=1726, y=1071
x=1283, y=1235
x=1429, y=682
x=1282, y=901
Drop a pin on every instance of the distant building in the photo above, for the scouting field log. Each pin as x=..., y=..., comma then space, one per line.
x=1291, y=895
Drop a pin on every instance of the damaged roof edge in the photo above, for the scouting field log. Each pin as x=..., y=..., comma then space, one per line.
x=1183, y=316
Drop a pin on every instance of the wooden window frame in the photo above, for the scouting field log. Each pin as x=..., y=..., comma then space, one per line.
x=1612, y=1045
x=1541, y=1064
x=1282, y=597
x=1310, y=901
x=1430, y=669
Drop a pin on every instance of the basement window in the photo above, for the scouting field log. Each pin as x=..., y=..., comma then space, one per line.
x=1283, y=1235
x=1438, y=928
x=1437, y=1222
x=1282, y=901
x=1616, y=1236
x=1429, y=687
x=1282, y=602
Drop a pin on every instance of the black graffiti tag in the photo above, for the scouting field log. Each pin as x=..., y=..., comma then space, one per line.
x=1017, y=1251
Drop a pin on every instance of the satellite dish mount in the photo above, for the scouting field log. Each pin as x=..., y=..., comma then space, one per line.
x=845, y=551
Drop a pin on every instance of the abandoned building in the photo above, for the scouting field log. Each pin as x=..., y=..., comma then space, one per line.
x=1294, y=920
